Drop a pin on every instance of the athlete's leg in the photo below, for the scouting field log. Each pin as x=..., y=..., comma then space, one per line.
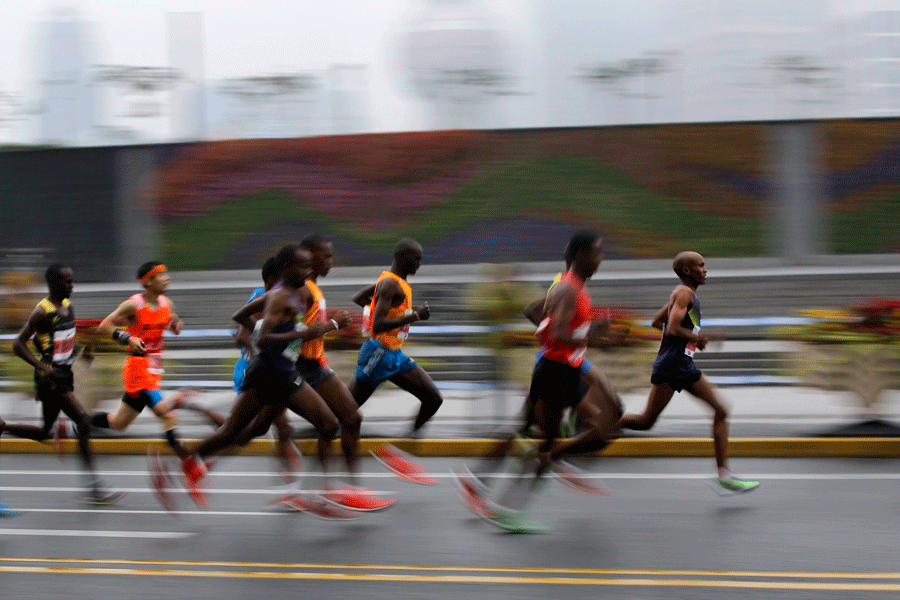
x=119, y=420
x=180, y=402
x=418, y=383
x=361, y=390
x=602, y=408
x=285, y=448
x=75, y=411
x=339, y=399
x=309, y=405
x=168, y=418
x=706, y=392
x=660, y=394
x=245, y=410
x=50, y=407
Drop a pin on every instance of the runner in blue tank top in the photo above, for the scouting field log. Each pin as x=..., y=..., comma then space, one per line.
x=674, y=369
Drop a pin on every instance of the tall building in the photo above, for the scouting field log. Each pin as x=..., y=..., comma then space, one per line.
x=66, y=96
x=455, y=58
x=186, y=53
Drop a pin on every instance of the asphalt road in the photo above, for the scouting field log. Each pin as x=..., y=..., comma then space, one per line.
x=817, y=528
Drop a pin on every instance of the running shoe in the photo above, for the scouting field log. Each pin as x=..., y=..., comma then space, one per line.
x=9, y=511
x=729, y=486
x=328, y=511
x=102, y=496
x=512, y=521
x=160, y=480
x=401, y=464
x=471, y=491
x=292, y=502
x=355, y=498
x=194, y=472
x=575, y=479
x=568, y=424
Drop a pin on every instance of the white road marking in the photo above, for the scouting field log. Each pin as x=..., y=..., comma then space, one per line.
x=210, y=491
x=79, y=533
x=217, y=475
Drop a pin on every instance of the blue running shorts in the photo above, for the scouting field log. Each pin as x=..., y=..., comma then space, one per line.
x=377, y=363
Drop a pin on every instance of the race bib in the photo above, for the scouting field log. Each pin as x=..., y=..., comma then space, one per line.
x=63, y=346
x=292, y=352
x=154, y=363
x=403, y=333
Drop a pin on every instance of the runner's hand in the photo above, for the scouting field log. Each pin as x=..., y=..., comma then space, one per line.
x=136, y=345
x=343, y=319
x=423, y=312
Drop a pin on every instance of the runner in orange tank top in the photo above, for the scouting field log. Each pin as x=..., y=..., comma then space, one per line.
x=313, y=368
x=388, y=317
x=139, y=324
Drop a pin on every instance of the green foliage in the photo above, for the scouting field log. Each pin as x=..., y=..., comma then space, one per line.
x=577, y=190
x=869, y=228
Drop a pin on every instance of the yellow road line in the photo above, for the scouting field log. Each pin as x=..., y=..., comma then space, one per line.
x=477, y=579
x=459, y=568
x=799, y=447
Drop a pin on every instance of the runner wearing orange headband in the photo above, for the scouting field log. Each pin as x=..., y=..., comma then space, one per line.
x=139, y=324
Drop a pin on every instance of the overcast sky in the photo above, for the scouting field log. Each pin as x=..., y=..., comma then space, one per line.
x=251, y=37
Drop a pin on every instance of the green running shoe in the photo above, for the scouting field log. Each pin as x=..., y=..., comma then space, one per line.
x=729, y=486
x=567, y=425
x=511, y=520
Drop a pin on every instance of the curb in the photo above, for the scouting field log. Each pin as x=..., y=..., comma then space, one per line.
x=846, y=447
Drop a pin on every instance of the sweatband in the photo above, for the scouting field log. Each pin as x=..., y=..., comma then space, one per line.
x=151, y=273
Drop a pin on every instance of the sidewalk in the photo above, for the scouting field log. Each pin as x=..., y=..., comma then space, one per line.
x=764, y=420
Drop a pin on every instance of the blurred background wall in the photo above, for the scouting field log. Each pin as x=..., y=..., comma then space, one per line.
x=781, y=189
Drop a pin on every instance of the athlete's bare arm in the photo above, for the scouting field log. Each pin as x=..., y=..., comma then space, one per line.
x=246, y=314
x=659, y=319
x=534, y=312
x=679, y=305
x=279, y=308
x=36, y=322
x=389, y=294
x=175, y=322
x=364, y=296
x=561, y=307
x=121, y=318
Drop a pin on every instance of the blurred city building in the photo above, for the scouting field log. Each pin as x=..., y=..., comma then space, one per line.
x=185, y=48
x=67, y=99
x=463, y=64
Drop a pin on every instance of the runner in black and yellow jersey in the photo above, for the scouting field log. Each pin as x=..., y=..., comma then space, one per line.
x=51, y=328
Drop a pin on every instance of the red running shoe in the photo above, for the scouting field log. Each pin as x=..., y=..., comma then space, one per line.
x=194, y=472
x=575, y=479
x=470, y=490
x=292, y=502
x=319, y=507
x=402, y=465
x=355, y=498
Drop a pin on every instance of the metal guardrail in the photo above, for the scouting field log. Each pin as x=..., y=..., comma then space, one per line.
x=204, y=358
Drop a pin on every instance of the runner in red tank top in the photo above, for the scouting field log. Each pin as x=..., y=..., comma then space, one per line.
x=565, y=334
